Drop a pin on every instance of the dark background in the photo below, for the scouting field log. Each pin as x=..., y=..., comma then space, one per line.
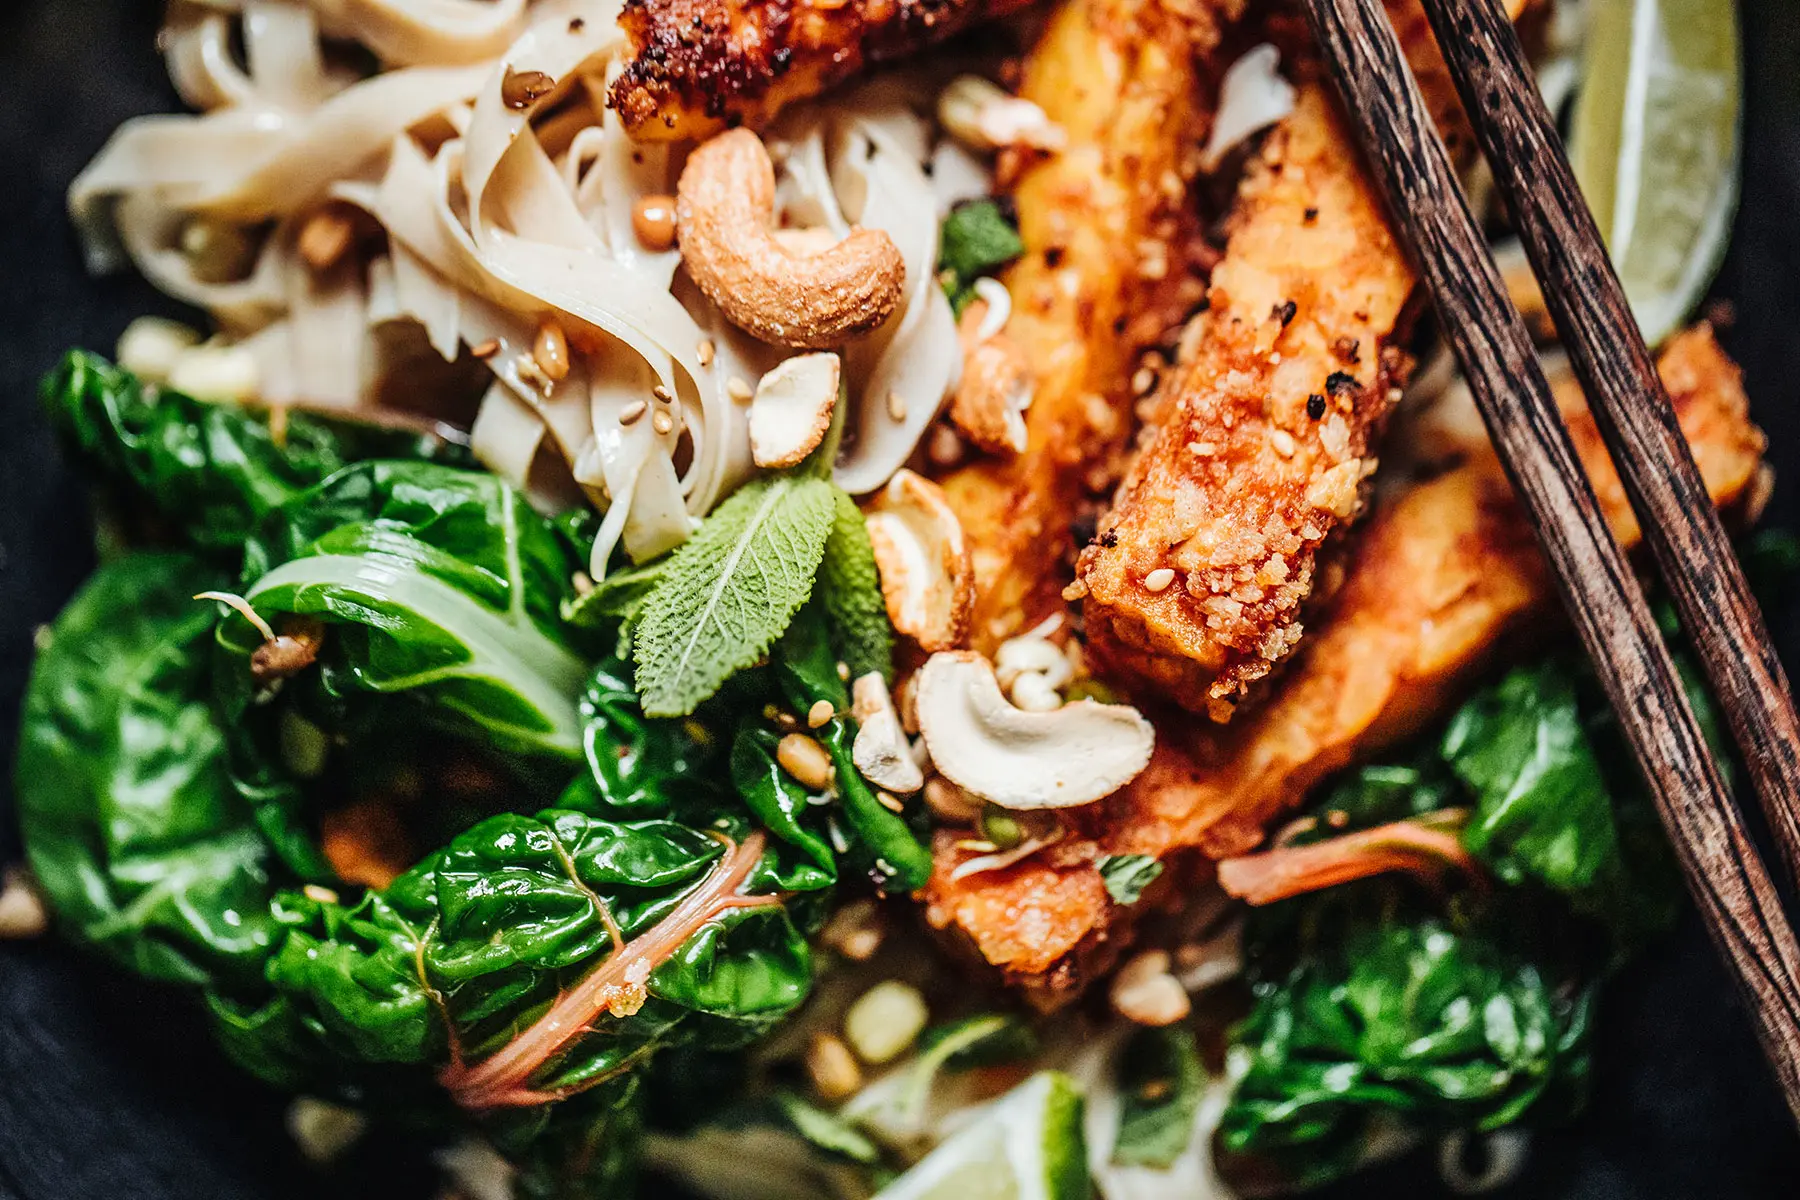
x=110, y=1089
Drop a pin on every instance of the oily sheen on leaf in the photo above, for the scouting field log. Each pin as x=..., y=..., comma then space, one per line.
x=731, y=590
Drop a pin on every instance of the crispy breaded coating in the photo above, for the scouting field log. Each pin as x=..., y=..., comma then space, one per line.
x=699, y=66
x=1263, y=437
x=1440, y=577
x=1127, y=82
x=1197, y=582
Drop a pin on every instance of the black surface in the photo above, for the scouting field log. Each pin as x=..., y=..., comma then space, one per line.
x=109, y=1089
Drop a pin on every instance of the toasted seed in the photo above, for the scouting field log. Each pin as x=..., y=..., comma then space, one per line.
x=632, y=412
x=740, y=390
x=832, y=1068
x=653, y=220
x=520, y=89
x=1145, y=993
x=820, y=714
x=806, y=760
x=703, y=353
x=485, y=350
x=551, y=350
x=663, y=423
x=896, y=406
x=1159, y=579
x=319, y=894
x=324, y=1131
x=1283, y=442
x=856, y=930
x=150, y=347
x=22, y=911
x=885, y=1021
x=325, y=238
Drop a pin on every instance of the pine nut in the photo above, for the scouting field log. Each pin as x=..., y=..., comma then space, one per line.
x=325, y=238
x=806, y=760
x=551, y=350
x=832, y=1068
x=653, y=220
x=22, y=911
x=885, y=1021
x=150, y=347
x=1144, y=992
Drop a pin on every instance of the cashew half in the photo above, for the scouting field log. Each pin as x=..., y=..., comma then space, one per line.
x=995, y=389
x=881, y=752
x=927, y=575
x=724, y=214
x=791, y=411
x=1077, y=754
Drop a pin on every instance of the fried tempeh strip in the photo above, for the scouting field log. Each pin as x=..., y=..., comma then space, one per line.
x=699, y=66
x=1264, y=436
x=1441, y=577
x=1128, y=82
x=1263, y=441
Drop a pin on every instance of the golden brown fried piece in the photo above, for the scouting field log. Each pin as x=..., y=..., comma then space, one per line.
x=1111, y=248
x=1440, y=577
x=699, y=66
x=1263, y=436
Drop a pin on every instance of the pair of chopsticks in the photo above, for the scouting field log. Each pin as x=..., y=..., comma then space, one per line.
x=1637, y=421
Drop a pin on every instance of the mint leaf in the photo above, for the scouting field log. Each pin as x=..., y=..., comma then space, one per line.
x=731, y=590
x=976, y=240
x=1127, y=875
x=850, y=586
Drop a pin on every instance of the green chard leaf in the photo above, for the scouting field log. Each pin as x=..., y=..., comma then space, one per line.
x=1127, y=875
x=1411, y=1021
x=1542, y=807
x=1161, y=1083
x=133, y=826
x=730, y=590
x=850, y=586
x=806, y=670
x=211, y=472
x=976, y=239
x=436, y=582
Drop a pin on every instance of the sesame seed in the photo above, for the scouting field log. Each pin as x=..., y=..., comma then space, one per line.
x=890, y=802
x=704, y=353
x=633, y=412
x=820, y=714
x=662, y=393
x=486, y=349
x=1283, y=441
x=1159, y=579
x=896, y=406
x=663, y=423
x=1143, y=381
x=739, y=390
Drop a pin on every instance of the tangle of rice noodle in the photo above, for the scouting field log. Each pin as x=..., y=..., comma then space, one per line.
x=497, y=220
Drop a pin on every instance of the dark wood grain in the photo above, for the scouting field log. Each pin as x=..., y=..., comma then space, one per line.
x=1629, y=403
x=1734, y=892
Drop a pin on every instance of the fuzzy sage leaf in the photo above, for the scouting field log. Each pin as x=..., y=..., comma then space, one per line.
x=731, y=590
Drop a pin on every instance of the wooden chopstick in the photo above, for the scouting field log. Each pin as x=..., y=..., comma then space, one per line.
x=1431, y=214
x=1629, y=403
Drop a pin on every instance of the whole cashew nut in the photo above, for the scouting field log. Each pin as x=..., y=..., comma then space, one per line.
x=812, y=301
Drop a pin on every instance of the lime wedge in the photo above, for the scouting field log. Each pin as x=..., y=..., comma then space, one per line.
x=1655, y=145
x=1026, y=1146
